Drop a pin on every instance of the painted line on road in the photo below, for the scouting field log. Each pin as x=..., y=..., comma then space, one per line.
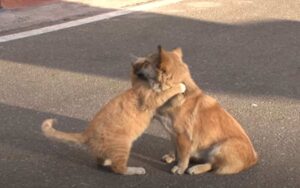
x=87, y=20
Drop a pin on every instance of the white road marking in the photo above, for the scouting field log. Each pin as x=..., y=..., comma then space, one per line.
x=87, y=20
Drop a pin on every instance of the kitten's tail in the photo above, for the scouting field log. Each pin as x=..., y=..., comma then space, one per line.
x=50, y=132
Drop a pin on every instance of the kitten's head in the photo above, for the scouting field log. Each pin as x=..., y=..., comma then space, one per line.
x=144, y=69
x=171, y=70
x=163, y=69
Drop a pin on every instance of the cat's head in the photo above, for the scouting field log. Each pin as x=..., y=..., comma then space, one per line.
x=171, y=70
x=144, y=69
x=162, y=69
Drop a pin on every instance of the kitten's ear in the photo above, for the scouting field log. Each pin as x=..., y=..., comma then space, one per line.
x=163, y=54
x=133, y=58
x=138, y=60
x=178, y=52
x=159, y=48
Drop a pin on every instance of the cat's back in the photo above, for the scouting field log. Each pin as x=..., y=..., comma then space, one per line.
x=125, y=101
x=212, y=119
x=121, y=116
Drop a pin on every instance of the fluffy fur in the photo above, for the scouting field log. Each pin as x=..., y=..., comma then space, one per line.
x=119, y=123
x=201, y=129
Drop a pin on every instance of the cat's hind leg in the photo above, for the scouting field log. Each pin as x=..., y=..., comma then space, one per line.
x=135, y=171
x=104, y=162
x=119, y=159
x=230, y=157
x=199, y=169
x=119, y=166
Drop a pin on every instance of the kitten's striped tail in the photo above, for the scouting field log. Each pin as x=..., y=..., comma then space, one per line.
x=50, y=132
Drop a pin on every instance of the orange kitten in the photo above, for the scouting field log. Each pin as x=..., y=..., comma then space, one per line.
x=119, y=123
x=201, y=129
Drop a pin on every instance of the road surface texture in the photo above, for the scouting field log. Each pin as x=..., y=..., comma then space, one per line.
x=244, y=53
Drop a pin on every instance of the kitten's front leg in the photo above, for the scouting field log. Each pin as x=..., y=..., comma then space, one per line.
x=157, y=99
x=183, y=144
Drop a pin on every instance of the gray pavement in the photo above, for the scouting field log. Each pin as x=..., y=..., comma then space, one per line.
x=53, y=12
x=244, y=53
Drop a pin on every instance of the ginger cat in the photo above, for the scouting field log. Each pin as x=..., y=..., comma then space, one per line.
x=119, y=123
x=200, y=128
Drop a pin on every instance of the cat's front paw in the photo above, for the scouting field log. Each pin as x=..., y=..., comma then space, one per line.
x=182, y=88
x=177, y=170
x=135, y=171
x=140, y=171
x=168, y=158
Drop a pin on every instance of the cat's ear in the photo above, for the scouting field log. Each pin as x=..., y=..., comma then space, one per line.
x=178, y=52
x=163, y=54
x=137, y=60
x=159, y=48
x=133, y=59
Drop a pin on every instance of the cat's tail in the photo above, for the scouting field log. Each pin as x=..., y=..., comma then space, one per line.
x=50, y=132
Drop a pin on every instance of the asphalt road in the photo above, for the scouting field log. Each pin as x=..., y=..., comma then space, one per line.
x=244, y=53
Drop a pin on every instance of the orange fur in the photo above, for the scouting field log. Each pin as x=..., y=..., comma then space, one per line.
x=202, y=129
x=118, y=124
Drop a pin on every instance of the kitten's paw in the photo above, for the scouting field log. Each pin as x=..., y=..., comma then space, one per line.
x=168, y=158
x=177, y=170
x=199, y=169
x=182, y=87
x=192, y=171
x=135, y=171
x=48, y=123
x=140, y=170
x=107, y=162
x=47, y=128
